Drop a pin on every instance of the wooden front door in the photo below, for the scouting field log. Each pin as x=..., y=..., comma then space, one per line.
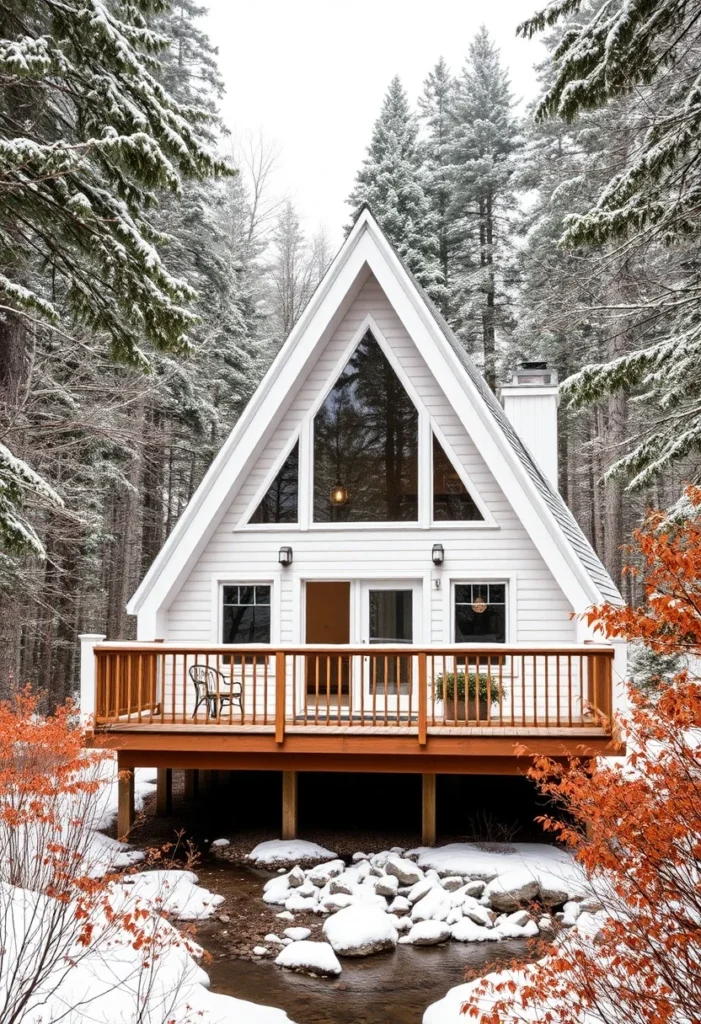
x=328, y=622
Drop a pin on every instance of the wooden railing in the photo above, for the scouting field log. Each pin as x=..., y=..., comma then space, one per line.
x=420, y=689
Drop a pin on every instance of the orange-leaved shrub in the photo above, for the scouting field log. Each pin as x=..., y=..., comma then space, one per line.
x=70, y=932
x=638, y=960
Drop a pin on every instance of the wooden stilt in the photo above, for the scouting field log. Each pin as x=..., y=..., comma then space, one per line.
x=125, y=801
x=164, y=790
x=289, y=805
x=428, y=809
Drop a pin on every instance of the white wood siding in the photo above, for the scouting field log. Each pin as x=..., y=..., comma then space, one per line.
x=540, y=611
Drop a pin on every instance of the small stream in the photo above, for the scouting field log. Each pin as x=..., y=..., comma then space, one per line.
x=389, y=988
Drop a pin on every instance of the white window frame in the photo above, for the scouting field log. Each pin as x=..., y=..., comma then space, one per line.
x=509, y=580
x=249, y=580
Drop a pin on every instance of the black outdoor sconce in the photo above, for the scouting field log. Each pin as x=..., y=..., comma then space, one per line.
x=285, y=556
x=438, y=554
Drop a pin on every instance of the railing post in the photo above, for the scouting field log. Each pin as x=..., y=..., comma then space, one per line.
x=423, y=698
x=88, y=680
x=280, y=702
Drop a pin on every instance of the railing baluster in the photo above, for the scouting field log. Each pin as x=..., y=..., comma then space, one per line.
x=328, y=689
x=535, y=692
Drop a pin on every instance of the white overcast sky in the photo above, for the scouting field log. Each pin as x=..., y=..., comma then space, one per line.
x=310, y=76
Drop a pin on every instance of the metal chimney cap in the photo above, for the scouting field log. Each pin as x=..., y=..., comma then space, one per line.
x=534, y=373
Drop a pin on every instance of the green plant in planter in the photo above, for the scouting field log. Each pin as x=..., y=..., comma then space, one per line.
x=468, y=687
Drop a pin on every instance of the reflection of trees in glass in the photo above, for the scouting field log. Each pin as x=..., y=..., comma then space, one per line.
x=366, y=437
x=451, y=499
x=279, y=504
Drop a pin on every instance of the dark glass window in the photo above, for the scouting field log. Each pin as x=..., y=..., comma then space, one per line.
x=451, y=499
x=480, y=613
x=279, y=504
x=246, y=618
x=366, y=444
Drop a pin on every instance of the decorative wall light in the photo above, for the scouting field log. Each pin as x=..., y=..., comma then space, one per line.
x=438, y=554
x=285, y=556
x=339, y=494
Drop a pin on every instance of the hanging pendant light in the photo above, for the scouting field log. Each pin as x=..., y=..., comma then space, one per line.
x=339, y=494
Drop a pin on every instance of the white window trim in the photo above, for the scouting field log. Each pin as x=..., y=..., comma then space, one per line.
x=509, y=579
x=250, y=579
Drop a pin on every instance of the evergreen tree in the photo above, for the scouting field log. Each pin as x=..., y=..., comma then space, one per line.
x=391, y=182
x=436, y=110
x=484, y=141
x=643, y=54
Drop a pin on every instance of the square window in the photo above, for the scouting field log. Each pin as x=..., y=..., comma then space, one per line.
x=231, y=595
x=263, y=595
x=480, y=613
x=246, y=595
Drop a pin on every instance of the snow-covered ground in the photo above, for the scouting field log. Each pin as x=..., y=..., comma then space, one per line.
x=104, y=979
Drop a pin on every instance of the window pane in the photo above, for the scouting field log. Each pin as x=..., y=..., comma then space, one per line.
x=497, y=593
x=279, y=505
x=231, y=595
x=246, y=624
x=366, y=444
x=451, y=499
x=463, y=593
x=488, y=627
x=246, y=595
x=391, y=616
x=262, y=595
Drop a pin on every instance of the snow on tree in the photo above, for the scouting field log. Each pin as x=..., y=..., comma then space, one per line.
x=436, y=113
x=484, y=141
x=391, y=182
x=643, y=53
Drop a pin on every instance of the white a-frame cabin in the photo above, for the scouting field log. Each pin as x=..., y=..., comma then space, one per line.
x=377, y=573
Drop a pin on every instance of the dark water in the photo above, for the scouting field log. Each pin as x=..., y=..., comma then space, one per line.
x=390, y=988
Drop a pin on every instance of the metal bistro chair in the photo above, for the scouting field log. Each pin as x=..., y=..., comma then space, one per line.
x=205, y=679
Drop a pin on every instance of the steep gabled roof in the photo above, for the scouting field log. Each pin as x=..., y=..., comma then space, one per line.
x=541, y=509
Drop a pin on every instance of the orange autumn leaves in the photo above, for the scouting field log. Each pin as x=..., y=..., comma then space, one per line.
x=641, y=848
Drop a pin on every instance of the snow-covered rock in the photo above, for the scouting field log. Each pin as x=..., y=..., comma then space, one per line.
x=281, y=852
x=571, y=911
x=260, y=950
x=481, y=915
x=452, y=882
x=400, y=905
x=512, y=889
x=429, y=933
x=295, y=877
x=406, y=872
x=435, y=906
x=387, y=886
x=419, y=890
x=219, y=843
x=475, y=888
x=360, y=931
x=359, y=856
x=285, y=915
x=343, y=884
x=297, y=934
x=298, y=903
x=274, y=939
x=317, y=957
x=553, y=891
x=467, y=931
x=338, y=901
x=454, y=915
x=517, y=926
x=323, y=873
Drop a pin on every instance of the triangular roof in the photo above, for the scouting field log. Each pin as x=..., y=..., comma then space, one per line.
x=545, y=516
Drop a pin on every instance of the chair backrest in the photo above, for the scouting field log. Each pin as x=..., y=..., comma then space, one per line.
x=204, y=676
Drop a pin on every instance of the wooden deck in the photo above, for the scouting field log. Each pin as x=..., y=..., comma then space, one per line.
x=401, y=708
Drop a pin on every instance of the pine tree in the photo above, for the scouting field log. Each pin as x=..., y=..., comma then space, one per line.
x=643, y=54
x=484, y=141
x=391, y=182
x=87, y=134
x=436, y=110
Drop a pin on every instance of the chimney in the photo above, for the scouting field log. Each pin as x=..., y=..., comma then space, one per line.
x=530, y=402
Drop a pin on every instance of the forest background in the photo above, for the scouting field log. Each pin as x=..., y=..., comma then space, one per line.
x=116, y=392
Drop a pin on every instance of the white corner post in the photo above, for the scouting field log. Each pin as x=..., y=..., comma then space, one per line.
x=87, y=674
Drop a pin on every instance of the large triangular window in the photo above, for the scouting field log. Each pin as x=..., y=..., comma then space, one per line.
x=279, y=504
x=451, y=499
x=366, y=445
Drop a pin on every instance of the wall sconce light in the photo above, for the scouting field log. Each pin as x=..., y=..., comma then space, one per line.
x=438, y=554
x=285, y=556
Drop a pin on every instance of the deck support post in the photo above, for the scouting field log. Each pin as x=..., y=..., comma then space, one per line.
x=192, y=783
x=164, y=790
x=125, y=800
x=289, y=805
x=428, y=809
